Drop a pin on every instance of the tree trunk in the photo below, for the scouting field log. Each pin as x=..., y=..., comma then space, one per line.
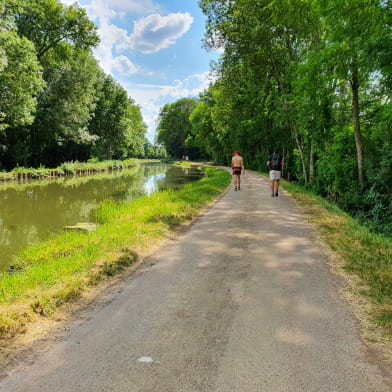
x=311, y=164
x=357, y=124
x=301, y=152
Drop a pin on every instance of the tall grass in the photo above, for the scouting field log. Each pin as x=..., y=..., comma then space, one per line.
x=365, y=254
x=48, y=274
x=68, y=168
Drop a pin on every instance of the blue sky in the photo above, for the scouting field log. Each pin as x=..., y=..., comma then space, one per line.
x=153, y=48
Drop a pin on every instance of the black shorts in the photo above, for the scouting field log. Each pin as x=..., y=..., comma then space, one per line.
x=236, y=170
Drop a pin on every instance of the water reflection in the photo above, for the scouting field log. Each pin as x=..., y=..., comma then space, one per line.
x=152, y=184
x=31, y=211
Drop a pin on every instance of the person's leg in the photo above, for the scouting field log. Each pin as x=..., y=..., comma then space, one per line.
x=278, y=173
x=277, y=187
x=239, y=181
x=272, y=187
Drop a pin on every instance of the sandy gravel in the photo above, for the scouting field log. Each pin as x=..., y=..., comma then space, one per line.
x=243, y=302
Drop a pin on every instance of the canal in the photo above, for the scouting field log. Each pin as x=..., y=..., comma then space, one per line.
x=30, y=212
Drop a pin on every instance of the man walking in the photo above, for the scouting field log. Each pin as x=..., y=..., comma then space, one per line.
x=275, y=163
x=237, y=165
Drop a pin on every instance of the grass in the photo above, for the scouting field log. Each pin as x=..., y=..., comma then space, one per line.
x=68, y=169
x=49, y=274
x=363, y=254
x=66, y=181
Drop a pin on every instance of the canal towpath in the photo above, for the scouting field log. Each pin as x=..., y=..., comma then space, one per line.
x=243, y=301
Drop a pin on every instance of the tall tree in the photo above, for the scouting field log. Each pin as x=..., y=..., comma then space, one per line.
x=350, y=29
x=117, y=123
x=175, y=128
x=62, y=36
x=20, y=75
x=312, y=77
x=49, y=23
x=65, y=108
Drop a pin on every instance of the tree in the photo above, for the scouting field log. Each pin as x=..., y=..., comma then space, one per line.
x=49, y=23
x=117, y=123
x=20, y=76
x=312, y=77
x=65, y=109
x=62, y=38
x=175, y=127
x=57, y=103
x=350, y=30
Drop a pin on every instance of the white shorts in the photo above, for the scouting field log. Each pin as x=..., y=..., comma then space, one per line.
x=274, y=174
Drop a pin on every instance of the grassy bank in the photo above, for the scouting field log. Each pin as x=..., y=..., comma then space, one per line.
x=49, y=274
x=67, y=181
x=67, y=169
x=363, y=255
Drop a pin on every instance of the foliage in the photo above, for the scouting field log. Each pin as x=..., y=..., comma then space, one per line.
x=153, y=152
x=312, y=78
x=56, y=104
x=117, y=123
x=20, y=76
x=174, y=128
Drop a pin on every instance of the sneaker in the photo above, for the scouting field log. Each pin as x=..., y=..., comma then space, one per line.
x=272, y=195
x=276, y=194
x=235, y=188
x=239, y=188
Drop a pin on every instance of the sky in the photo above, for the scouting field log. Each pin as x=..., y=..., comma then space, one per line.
x=153, y=48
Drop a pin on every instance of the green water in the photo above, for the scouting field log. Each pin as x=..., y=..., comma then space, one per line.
x=30, y=212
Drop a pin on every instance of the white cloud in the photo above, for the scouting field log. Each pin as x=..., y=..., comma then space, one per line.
x=110, y=37
x=68, y=2
x=156, y=32
x=152, y=97
x=122, y=64
x=150, y=34
x=107, y=9
x=137, y=6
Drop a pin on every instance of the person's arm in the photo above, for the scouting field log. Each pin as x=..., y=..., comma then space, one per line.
x=232, y=162
x=242, y=165
x=282, y=163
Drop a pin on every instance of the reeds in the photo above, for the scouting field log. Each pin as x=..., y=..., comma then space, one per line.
x=68, y=169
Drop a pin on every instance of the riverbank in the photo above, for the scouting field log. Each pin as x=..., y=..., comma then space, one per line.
x=68, y=169
x=55, y=272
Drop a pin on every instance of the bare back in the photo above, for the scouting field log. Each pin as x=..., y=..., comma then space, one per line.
x=237, y=161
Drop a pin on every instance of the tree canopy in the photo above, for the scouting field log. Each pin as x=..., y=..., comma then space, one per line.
x=310, y=77
x=174, y=128
x=56, y=103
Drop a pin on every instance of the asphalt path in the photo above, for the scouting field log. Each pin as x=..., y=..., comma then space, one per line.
x=244, y=301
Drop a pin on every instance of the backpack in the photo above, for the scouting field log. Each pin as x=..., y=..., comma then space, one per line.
x=275, y=162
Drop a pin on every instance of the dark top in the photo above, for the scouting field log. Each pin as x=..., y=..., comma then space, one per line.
x=275, y=161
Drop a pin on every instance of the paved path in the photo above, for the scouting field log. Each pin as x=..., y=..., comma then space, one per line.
x=243, y=302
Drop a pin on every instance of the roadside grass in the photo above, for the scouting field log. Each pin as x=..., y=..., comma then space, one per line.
x=363, y=254
x=54, y=272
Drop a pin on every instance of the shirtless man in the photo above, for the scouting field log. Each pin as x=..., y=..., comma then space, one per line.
x=237, y=164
